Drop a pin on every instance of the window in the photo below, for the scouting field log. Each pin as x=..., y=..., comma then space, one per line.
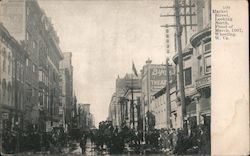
x=207, y=48
x=28, y=10
x=27, y=62
x=40, y=75
x=27, y=36
x=188, y=76
x=34, y=44
x=32, y=92
x=4, y=60
x=208, y=64
x=9, y=67
x=34, y=68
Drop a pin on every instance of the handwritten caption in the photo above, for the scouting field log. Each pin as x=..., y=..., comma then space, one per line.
x=225, y=28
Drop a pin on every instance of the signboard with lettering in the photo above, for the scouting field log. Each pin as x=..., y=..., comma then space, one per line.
x=157, y=78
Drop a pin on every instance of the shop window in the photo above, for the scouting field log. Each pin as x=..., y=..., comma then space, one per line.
x=188, y=76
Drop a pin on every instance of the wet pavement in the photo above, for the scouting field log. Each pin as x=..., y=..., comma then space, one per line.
x=90, y=149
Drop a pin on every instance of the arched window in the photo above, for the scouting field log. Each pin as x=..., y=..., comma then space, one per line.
x=4, y=59
x=9, y=93
x=4, y=89
x=9, y=63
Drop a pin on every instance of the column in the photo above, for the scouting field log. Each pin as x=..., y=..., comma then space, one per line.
x=196, y=99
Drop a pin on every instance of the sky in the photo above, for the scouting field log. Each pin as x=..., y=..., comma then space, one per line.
x=105, y=36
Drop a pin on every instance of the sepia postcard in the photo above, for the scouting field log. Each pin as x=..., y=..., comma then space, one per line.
x=124, y=77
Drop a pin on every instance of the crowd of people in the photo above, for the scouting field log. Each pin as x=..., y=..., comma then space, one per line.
x=113, y=140
x=33, y=140
x=172, y=141
x=194, y=141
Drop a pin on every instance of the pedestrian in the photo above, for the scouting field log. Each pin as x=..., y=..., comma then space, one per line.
x=174, y=138
x=83, y=144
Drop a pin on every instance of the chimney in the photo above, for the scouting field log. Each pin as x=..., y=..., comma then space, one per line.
x=148, y=61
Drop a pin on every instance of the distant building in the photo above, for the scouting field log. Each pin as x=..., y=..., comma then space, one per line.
x=153, y=79
x=124, y=107
x=130, y=102
x=119, y=93
x=112, y=115
x=160, y=109
x=85, y=117
x=66, y=85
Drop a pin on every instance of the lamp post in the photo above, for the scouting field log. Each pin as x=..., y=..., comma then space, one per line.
x=16, y=128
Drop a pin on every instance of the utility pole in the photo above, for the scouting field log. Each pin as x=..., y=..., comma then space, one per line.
x=132, y=104
x=179, y=29
x=180, y=61
x=168, y=101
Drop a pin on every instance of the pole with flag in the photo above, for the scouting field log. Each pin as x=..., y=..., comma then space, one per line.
x=132, y=92
x=134, y=69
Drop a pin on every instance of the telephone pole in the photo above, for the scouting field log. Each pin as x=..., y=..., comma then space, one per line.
x=180, y=61
x=179, y=30
x=168, y=100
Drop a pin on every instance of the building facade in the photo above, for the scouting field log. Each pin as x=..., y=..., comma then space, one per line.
x=12, y=71
x=85, y=117
x=66, y=84
x=131, y=101
x=30, y=26
x=153, y=79
x=112, y=115
x=197, y=67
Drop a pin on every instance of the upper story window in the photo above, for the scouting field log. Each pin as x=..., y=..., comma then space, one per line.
x=34, y=68
x=27, y=36
x=207, y=57
x=207, y=47
x=9, y=64
x=34, y=44
x=188, y=76
x=27, y=62
x=4, y=60
x=27, y=10
x=208, y=64
x=40, y=75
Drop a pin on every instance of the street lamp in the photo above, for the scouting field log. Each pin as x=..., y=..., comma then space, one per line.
x=16, y=128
